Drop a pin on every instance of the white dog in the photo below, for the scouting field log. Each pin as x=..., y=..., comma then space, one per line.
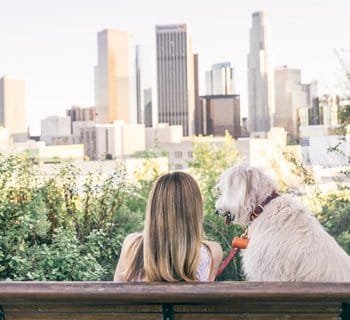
x=286, y=242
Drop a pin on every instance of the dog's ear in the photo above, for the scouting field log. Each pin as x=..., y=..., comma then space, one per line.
x=253, y=185
x=245, y=182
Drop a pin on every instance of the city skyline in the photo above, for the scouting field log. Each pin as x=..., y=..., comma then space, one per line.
x=53, y=47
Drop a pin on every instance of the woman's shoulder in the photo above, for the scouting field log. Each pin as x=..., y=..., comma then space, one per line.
x=127, y=245
x=215, y=249
x=217, y=256
x=130, y=238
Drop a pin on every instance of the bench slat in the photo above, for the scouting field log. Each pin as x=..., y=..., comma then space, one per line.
x=85, y=316
x=109, y=292
x=261, y=308
x=142, y=301
x=202, y=316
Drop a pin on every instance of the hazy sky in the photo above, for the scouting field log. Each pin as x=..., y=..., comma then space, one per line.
x=52, y=45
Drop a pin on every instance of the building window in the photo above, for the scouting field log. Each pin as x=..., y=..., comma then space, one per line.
x=178, y=166
x=190, y=154
x=305, y=141
x=178, y=154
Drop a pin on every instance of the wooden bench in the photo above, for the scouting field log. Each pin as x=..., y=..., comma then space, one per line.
x=141, y=301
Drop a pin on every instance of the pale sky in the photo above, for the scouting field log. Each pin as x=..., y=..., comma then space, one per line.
x=52, y=45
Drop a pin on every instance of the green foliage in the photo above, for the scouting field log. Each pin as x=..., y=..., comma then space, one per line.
x=334, y=213
x=298, y=169
x=210, y=160
x=332, y=209
x=53, y=229
x=58, y=227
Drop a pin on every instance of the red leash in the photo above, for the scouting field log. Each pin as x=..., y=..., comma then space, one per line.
x=226, y=262
x=237, y=243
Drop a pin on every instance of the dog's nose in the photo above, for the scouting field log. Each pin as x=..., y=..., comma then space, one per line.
x=217, y=212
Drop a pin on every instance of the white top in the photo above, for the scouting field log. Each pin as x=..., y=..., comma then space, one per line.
x=204, y=264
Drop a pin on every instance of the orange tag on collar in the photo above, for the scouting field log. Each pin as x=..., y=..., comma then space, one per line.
x=240, y=242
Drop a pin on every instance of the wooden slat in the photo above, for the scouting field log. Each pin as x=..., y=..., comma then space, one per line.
x=220, y=292
x=283, y=307
x=42, y=308
x=185, y=308
x=83, y=316
x=142, y=301
x=202, y=316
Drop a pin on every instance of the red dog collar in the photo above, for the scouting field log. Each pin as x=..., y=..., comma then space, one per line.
x=260, y=207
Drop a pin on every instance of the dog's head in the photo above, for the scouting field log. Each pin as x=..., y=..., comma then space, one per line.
x=242, y=188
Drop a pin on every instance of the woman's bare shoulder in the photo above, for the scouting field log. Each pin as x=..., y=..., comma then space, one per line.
x=217, y=256
x=131, y=237
x=128, y=241
x=215, y=249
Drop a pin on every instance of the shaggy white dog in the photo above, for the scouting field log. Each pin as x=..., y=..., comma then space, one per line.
x=286, y=242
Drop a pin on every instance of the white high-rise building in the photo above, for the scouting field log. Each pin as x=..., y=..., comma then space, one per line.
x=175, y=77
x=220, y=79
x=115, y=77
x=12, y=107
x=260, y=76
x=294, y=101
x=289, y=98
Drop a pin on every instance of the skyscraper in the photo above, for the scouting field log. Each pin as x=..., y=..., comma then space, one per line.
x=221, y=113
x=260, y=76
x=12, y=107
x=292, y=100
x=175, y=76
x=289, y=99
x=139, y=87
x=220, y=79
x=114, y=77
x=198, y=111
x=148, y=106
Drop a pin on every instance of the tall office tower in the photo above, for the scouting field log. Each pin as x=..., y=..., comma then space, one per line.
x=310, y=92
x=139, y=86
x=296, y=103
x=260, y=76
x=289, y=98
x=114, y=77
x=198, y=113
x=221, y=113
x=175, y=78
x=220, y=79
x=12, y=107
x=330, y=105
x=148, y=106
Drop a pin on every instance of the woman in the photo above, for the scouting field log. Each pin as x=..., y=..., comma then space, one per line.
x=171, y=247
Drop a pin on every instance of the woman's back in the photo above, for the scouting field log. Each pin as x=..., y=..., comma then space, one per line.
x=210, y=258
x=170, y=247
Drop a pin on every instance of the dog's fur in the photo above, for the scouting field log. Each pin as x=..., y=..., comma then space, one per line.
x=286, y=242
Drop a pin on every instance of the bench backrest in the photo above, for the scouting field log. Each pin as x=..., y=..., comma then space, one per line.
x=220, y=300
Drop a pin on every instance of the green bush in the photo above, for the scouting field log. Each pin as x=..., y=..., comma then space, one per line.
x=51, y=230
x=334, y=214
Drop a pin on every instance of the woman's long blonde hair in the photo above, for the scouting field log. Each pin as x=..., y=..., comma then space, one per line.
x=169, y=248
